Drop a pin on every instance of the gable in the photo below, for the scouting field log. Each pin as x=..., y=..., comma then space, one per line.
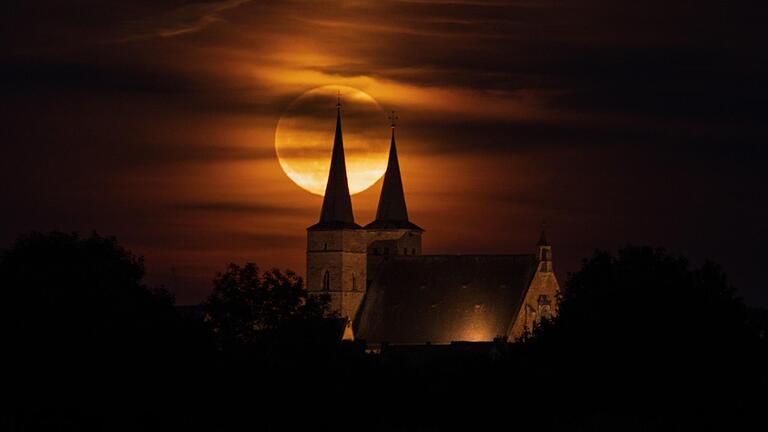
x=444, y=298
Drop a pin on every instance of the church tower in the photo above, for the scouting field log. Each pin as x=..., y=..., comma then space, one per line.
x=336, y=245
x=392, y=233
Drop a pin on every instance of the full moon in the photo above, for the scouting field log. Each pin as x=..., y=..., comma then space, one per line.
x=304, y=138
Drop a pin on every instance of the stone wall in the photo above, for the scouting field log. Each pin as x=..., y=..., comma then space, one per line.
x=540, y=300
x=342, y=253
x=382, y=243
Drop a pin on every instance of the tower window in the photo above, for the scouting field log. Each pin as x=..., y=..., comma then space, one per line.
x=413, y=251
x=326, y=281
x=354, y=282
x=325, y=246
x=405, y=251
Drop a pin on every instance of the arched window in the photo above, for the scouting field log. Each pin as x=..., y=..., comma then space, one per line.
x=325, y=246
x=405, y=251
x=354, y=282
x=545, y=310
x=326, y=281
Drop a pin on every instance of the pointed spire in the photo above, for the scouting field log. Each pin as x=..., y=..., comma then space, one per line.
x=337, y=204
x=392, y=211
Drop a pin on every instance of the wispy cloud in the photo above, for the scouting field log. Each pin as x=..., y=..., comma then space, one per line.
x=186, y=19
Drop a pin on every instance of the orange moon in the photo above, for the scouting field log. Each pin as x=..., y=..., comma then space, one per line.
x=304, y=138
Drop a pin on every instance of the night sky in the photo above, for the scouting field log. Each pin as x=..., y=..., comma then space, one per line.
x=618, y=122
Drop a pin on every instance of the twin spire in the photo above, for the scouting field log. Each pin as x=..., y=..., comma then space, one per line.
x=337, y=204
x=392, y=212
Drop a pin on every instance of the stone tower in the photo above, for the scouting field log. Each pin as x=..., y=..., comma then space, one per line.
x=336, y=245
x=391, y=233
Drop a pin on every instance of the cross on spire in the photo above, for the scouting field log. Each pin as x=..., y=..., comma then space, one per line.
x=393, y=120
x=543, y=238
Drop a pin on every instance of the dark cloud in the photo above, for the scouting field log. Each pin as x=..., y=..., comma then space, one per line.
x=21, y=75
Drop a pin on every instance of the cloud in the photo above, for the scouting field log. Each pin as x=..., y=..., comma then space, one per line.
x=189, y=18
x=22, y=74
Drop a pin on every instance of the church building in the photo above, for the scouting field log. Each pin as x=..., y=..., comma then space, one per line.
x=379, y=280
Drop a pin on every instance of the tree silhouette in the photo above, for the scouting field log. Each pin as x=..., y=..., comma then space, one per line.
x=62, y=291
x=248, y=307
x=645, y=323
x=80, y=330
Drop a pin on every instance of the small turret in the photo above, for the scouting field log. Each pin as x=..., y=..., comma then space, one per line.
x=545, y=252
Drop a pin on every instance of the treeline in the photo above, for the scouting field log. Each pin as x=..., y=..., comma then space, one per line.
x=642, y=342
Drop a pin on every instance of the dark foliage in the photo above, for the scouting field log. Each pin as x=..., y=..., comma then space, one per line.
x=84, y=338
x=62, y=292
x=654, y=341
x=642, y=342
x=249, y=308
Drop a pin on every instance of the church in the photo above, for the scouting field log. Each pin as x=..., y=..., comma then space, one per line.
x=388, y=291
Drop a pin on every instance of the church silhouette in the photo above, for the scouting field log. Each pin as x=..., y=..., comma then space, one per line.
x=389, y=292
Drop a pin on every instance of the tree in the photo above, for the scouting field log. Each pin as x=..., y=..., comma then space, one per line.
x=80, y=330
x=643, y=328
x=247, y=307
x=646, y=297
x=62, y=291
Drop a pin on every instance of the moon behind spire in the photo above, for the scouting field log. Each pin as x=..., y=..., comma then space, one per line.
x=304, y=138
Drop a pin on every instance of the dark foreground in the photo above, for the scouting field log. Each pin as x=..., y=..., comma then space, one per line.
x=642, y=342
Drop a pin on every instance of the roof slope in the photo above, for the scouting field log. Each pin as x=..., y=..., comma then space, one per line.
x=444, y=298
x=337, y=204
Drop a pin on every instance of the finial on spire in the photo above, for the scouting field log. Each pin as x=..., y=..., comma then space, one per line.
x=338, y=99
x=393, y=120
x=543, y=238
